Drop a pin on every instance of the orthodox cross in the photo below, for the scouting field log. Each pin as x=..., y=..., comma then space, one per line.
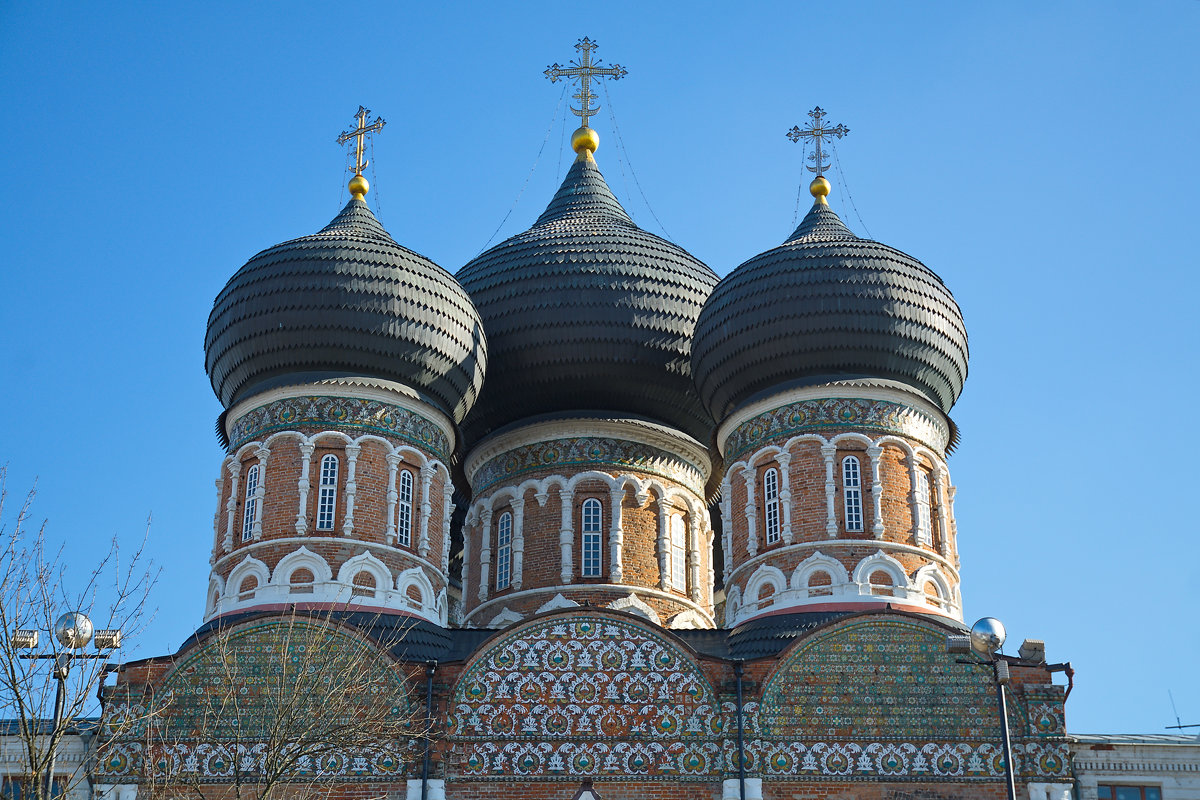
x=584, y=70
x=360, y=133
x=817, y=132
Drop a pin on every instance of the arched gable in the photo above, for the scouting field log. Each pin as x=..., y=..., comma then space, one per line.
x=577, y=694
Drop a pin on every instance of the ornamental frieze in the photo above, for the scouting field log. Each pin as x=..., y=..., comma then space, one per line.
x=341, y=413
x=588, y=451
x=810, y=416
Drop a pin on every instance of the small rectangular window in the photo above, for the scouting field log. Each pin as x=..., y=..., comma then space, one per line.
x=678, y=553
x=924, y=516
x=591, y=538
x=250, y=513
x=852, y=494
x=771, y=499
x=404, y=513
x=327, y=496
x=504, y=551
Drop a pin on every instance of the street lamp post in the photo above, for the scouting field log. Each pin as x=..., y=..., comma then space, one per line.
x=74, y=631
x=985, y=640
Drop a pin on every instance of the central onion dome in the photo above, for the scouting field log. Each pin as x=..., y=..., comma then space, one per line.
x=586, y=312
x=346, y=301
x=825, y=306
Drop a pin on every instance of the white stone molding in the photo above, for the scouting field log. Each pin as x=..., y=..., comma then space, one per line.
x=466, y=560
x=733, y=604
x=882, y=562
x=426, y=510
x=875, y=454
x=483, y=609
x=784, y=459
x=662, y=543
x=616, y=535
x=443, y=608
x=829, y=452
x=518, y=542
x=435, y=789
x=727, y=528
x=219, y=483
x=712, y=575
x=566, y=533
x=393, y=496
x=931, y=574
x=114, y=791
x=847, y=544
x=302, y=558
x=751, y=477
x=368, y=563
x=416, y=576
x=633, y=604
x=693, y=557
x=235, y=470
x=555, y=603
x=352, y=451
x=686, y=621
x=839, y=578
x=940, y=479
x=485, y=550
x=505, y=618
x=406, y=556
x=303, y=486
x=952, y=544
x=216, y=593
x=731, y=789
x=447, y=514
x=765, y=575
x=260, y=493
x=1050, y=791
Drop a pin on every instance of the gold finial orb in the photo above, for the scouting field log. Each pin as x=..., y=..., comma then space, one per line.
x=585, y=139
x=819, y=188
x=359, y=186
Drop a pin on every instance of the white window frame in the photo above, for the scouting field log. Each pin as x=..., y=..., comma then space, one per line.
x=852, y=500
x=250, y=512
x=771, y=504
x=504, y=529
x=591, y=550
x=327, y=492
x=678, y=545
x=924, y=510
x=404, y=505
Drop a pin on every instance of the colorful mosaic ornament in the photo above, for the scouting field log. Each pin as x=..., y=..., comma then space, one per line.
x=810, y=416
x=341, y=413
x=588, y=451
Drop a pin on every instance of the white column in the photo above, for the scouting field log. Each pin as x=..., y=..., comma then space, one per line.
x=912, y=497
x=235, y=469
x=426, y=511
x=393, y=496
x=693, y=557
x=485, y=551
x=785, y=494
x=615, y=535
x=751, y=513
x=352, y=451
x=712, y=577
x=219, y=483
x=664, y=545
x=727, y=528
x=302, y=486
x=939, y=484
x=518, y=541
x=952, y=543
x=447, y=514
x=875, y=453
x=829, y=450
x=466, y=561
x=566, y=534
x=261, y=492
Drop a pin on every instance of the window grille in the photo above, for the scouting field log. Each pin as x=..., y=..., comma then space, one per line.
x=404, y=514
x=250, y=514
x=591, y=538
x=924, y=518
x=504, y=551
x=678, y=554
x=327, y=496
x=771, y=499
x=852, y=493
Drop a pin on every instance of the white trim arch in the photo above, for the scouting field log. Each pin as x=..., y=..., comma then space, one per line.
x=882, y=562
x=216, y=594
x=365, y=562
x=733, y=605
x=931, y=574
x=687, y=621
x=633, y=604
x=415, y=576
x=819, y=562
x=302, y=558
x=766, y=575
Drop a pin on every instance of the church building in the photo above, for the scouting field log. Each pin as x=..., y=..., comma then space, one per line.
x=608, y=522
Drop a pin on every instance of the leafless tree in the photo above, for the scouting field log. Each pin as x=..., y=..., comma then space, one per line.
x=286, y=703
x=37, y=586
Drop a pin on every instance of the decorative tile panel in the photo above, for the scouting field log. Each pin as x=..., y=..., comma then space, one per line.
x=585, y=694
x=811, y=416
x=341, y=413
x=588, y=451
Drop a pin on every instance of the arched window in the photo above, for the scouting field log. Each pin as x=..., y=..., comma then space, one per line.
x=247, y=587
x=820, y=584
x=250, y=514
x=504, y=551
x=852, y=493
x=591, y=538
x=363, y=585
x=327, y=496
x=771, y=499
x=404, y=513
x=301, y=581
x=678, y=553
x=924, y=518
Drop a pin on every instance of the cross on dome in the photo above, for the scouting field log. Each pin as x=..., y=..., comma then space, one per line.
x=817, y=132
x=584, y=70
x=358, y=184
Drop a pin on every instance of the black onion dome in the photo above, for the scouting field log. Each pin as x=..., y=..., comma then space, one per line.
x=826, y=305
x=346, y=301
x=587, y=312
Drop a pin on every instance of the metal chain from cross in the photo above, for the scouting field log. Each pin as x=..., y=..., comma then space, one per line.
x=359, y=134
x=817, y=132
x=584, y=70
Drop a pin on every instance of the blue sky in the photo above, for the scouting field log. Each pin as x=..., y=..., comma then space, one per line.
x=1040, y=157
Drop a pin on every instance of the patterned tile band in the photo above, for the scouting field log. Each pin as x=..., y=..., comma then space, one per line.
x=588, y=451
x=810, y=416
x=345, y=413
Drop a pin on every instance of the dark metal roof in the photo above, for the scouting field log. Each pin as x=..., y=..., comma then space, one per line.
x=587, y=311
x=347, y=301
x=827, y=305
